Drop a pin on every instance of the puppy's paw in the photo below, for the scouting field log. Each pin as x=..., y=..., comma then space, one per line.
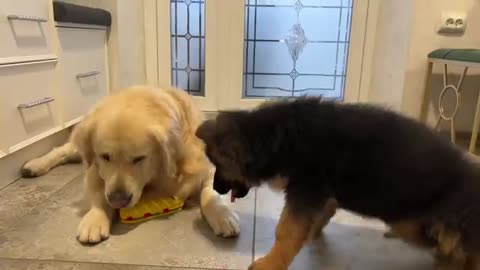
x=94, y=227
x=390, y=234
x=34, y=168
x=267, y=263
x=223, y=220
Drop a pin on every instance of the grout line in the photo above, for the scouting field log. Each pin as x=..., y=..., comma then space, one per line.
x=11, y=183
x=35, y=178
x=254, y=224
x=39, y=203
x=74, y=176
x=162, y=267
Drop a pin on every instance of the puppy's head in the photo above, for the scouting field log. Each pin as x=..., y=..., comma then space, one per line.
x=126, y=151
x=229, y=152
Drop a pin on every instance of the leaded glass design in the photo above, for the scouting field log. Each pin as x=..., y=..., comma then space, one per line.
x=188, y=45
x=296, y=47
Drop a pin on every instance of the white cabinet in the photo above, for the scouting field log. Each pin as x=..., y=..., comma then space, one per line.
x=28, y=104
x=83, y=70
x=25, y=28
x=50, y=74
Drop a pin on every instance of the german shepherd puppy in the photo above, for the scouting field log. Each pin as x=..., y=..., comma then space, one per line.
x=368, y=160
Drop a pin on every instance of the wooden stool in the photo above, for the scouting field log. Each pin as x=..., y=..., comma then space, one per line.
x=466, y=58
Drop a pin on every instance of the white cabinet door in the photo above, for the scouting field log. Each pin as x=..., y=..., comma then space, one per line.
x=83, y=70
x=28, y=104
x=25, y=28
x=237, y=53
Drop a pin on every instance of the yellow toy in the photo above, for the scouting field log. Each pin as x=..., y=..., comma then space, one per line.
x=146, y=210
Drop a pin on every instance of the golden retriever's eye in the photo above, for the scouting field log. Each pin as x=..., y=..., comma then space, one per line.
x=138, y=159
x=105, y=157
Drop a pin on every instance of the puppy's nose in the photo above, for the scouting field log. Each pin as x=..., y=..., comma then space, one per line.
x=119, y=199
x=221, y=185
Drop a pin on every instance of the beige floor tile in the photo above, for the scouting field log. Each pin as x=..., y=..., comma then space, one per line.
x=182, y=240
x=9, y=264
x=20, y=197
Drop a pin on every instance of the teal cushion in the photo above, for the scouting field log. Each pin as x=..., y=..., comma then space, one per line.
x=462, y=55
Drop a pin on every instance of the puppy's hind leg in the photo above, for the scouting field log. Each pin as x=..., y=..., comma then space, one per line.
x=412, y=232
x=66, y=153
x=473, y=262
x=451, y=263
x=456, y=262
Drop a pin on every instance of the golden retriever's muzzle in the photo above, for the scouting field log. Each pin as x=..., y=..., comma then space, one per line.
x=119, y=199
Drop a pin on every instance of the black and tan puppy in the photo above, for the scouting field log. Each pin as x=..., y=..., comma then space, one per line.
x=371, y=161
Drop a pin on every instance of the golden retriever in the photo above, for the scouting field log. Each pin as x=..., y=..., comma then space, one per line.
x=139, y=143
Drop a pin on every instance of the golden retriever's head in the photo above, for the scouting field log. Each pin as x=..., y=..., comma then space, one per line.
x=127, y=149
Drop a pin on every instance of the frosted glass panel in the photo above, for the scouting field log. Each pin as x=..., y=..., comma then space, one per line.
x=188, y=45
x=307, y=3
x=296, y=47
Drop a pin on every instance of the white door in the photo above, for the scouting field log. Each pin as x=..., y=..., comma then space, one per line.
x=236, y=53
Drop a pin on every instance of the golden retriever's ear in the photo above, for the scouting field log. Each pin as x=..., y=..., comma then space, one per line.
x=206, y=130
x=169, y=149
x=82, y=139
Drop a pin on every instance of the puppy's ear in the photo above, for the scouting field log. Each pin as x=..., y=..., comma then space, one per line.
x=82, y=139
x=225, y=123
x=206, y=130
x=169, y=147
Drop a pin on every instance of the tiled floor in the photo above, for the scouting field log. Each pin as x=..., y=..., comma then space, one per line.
x=38, y=219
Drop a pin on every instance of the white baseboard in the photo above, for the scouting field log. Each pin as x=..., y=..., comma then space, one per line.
x=10, y=165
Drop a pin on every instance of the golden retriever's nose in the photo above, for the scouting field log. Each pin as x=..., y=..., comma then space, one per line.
x=119, y=199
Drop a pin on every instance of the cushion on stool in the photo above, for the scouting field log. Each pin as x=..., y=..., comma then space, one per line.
x=462, y=55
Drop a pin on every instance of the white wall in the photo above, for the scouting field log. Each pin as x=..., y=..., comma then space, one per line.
x=406, y=33
x=390, y=52
x=130, y=42
x=424, y=39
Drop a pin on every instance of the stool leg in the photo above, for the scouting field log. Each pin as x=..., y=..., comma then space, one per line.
x=476, y=125
x=427, y=93
x=437, y=124
x=452, y=131
x=459, y=88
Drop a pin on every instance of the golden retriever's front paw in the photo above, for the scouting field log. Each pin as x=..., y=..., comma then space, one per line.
x=94, y=227
x=267, y=263
x=223, y=220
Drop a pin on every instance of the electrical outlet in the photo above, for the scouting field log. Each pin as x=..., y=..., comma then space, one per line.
x=453, y=22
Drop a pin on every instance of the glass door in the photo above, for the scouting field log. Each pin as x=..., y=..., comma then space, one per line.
x=237, y=53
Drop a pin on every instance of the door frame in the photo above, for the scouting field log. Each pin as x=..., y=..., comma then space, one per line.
x=155, y=26
x=158, y=46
